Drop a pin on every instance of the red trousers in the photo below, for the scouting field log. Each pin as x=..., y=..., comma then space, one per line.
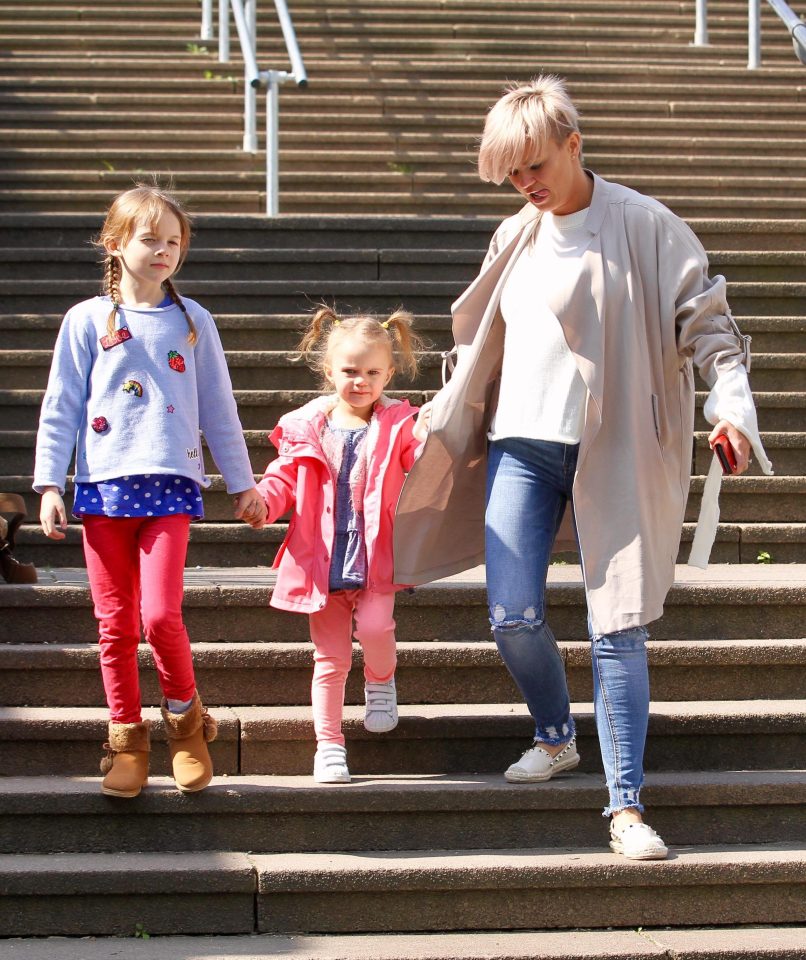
x=135, y=567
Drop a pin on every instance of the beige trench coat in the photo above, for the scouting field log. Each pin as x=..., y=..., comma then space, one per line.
x=637, y=310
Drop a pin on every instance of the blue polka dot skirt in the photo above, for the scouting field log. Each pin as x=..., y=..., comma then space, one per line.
x=146, y=495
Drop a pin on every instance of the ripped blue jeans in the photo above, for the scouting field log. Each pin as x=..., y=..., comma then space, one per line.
x=529, y=484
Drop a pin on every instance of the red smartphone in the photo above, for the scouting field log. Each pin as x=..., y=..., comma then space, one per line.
x=725, y=454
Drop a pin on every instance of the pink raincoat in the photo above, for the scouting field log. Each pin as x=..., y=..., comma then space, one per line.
x=301, y=479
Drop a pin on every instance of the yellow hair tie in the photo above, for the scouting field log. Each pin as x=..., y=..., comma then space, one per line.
x=385, y=324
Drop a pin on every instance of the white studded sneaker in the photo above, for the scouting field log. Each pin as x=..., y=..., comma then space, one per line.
x=538, y=765
x=330, y=764
x=637, y=841
x=380, y=714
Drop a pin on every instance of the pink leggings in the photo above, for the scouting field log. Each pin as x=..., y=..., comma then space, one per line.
x=331, y=632
x=135, y=568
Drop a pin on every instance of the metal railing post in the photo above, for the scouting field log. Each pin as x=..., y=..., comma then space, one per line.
x=223, y=31
x=206, y=32
x=701, y=24
x=272, y=145
x=753, y=34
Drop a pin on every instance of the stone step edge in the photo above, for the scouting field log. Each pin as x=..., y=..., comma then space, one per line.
x=454, y=792
x=757, y=583
x=417, y=721
x=74, y=874
x=292, y=654
x=738, y=943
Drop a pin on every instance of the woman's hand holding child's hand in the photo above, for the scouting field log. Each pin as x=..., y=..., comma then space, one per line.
x=249, y=507
x=52, y=515
x=423, y=423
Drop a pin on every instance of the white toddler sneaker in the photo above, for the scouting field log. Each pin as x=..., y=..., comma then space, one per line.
x=637, y=841
x=380, y=714
x=330, y=764
x=537, y=765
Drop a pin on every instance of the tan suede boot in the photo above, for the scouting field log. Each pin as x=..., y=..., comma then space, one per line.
x=126, y=763
x=188, y=735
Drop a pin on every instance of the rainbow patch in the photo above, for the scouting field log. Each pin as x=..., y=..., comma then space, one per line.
x=133, y=387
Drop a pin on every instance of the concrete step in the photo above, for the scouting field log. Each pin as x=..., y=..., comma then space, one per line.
x=76, y=734
x=740, y=943
x=745, y=498
x=261, y=409
x=256, y=369
x=235, y=544
x=729, y=601
x=282, y=332
x=293, y=296
x=230, y=159
x=322, y=232
x=508, y=890
x=90, y=894
x=309, y=892
x=429, y=739
x=220, y=97
x=415, y=264
x=433, y=672
x=272, y=814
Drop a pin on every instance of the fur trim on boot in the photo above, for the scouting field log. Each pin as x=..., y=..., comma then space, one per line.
x=188, y=735
x=126, y=763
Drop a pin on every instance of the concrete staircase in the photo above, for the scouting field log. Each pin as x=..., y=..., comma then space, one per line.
x=428, y=838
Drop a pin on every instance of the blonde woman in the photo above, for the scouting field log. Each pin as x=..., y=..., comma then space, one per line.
x=574, y=387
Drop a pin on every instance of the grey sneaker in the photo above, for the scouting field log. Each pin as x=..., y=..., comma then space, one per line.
x=330, y=764
x=380, y=715
x=538, y=765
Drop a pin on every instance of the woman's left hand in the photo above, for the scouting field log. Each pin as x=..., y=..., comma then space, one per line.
x=739, y=442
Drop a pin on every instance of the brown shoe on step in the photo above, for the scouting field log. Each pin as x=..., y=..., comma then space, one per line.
x=126, y=763
x=11, y=569
x=188, y=735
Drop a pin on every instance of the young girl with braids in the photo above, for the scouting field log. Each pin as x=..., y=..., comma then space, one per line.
x=136, y=374
x=341, y=464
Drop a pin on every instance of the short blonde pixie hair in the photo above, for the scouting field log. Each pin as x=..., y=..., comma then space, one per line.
x=523, y=120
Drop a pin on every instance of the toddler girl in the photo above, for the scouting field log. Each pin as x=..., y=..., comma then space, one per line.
x=136, y=374
x=342, y=461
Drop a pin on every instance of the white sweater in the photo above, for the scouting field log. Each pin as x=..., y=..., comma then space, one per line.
x=542, y=396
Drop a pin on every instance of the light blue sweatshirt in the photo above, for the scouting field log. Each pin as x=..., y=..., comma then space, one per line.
x=138, y=406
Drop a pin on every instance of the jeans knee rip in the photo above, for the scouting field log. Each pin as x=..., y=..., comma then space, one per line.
x=502, y=620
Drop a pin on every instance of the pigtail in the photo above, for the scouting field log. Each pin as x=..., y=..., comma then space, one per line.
x=170, y=289
x=310, y=348
x=112, y=274
x=406, y=344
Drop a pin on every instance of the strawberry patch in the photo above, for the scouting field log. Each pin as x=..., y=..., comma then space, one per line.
x=176, y=361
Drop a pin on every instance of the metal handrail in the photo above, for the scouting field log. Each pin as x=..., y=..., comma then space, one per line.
x=245, y=15
x=796, y=27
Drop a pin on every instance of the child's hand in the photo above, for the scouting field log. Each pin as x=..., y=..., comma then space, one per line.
x=249, y=507
x=423, y=423
x=52, y=515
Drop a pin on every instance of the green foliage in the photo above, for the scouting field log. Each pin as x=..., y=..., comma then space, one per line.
x=140, y=932
x=404, y=168
x=763, y=557
x=196, y=48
